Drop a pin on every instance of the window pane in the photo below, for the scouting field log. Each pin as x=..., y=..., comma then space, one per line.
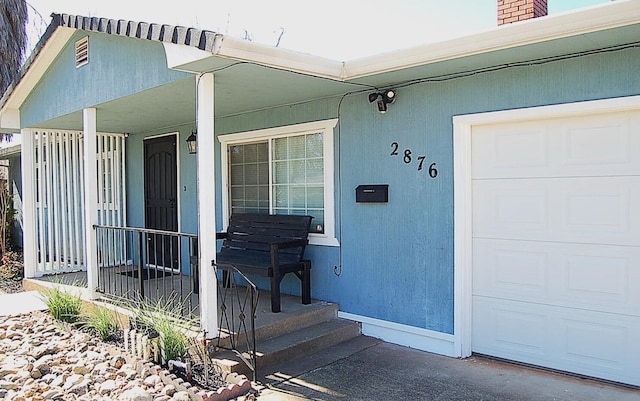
x=281, y=172
x=263, y=151
x=280, y=149
x=315, y=197
x=237, y=193
x=297, y=197
x=237, y=175
x=251, y=153
x=236, y=154
x=297, y=147
x=251, y=174
x=263, y=173
x=315, y=146
x=249, y=183
x=297, y=172
x=281, y=196
x=315, y=171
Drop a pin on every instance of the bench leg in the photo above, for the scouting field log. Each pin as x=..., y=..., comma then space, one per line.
x=306, y=282
x=275, y=294
x=226, y=278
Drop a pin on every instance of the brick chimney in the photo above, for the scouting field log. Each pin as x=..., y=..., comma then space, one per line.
x=519, y=10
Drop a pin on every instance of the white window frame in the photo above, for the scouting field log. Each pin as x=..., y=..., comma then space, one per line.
x=328, y=238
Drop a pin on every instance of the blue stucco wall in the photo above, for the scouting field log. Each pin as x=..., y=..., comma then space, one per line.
x=396, y=259
x=110, y=58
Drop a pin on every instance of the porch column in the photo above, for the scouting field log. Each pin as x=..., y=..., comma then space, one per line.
x=90, y=198
x=206, y=203
x=29, y=221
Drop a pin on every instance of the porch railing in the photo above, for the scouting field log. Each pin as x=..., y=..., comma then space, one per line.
x=238, y=303
x=145, y=266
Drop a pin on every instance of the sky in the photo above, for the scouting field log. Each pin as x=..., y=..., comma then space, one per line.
x=335, y=29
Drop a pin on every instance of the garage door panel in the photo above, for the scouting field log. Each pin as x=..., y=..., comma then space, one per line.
x=556, y=243
x=584, y=210
x=600, y=145
x=585, y=342
x=596, y=277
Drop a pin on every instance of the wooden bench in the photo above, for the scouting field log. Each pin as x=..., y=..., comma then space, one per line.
x=268, y=246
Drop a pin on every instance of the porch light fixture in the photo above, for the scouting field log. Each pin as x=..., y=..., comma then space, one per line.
x=383, y=99
x=192, y=143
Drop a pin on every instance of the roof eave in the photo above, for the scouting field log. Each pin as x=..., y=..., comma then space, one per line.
x=35, y=68
x=243, y=51
x=536, y=30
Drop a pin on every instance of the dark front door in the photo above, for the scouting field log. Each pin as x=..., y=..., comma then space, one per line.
x=161, y=200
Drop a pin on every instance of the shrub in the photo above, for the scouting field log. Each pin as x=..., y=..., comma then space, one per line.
x=102, y=321
x=63, y=306
x=165, y=319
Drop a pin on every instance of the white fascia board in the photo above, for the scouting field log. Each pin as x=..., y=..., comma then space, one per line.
x=9, y=120
x=287, y=60
x=38, y=67
x=180, y=55
x=536, y=30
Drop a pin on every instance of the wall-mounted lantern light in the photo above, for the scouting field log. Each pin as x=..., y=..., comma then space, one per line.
x=192, y=143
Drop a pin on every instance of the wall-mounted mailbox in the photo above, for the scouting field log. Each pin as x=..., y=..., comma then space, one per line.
x=372, y=193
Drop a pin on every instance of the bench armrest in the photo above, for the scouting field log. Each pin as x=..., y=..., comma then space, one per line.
x=275, y=246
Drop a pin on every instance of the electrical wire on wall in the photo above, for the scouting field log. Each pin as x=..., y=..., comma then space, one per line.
x=337, y=269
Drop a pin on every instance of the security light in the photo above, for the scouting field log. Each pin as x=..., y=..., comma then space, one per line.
x=383, y=99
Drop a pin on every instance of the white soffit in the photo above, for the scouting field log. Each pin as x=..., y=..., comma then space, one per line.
x=238, y=51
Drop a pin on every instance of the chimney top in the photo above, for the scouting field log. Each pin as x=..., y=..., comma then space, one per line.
x=519, y=10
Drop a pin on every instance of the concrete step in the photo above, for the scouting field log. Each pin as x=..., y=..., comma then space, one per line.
x=306, y=316
x=271, y=325
x=292, y=345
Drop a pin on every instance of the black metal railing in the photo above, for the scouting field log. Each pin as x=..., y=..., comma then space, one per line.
x=237, y=303
x=145, y=266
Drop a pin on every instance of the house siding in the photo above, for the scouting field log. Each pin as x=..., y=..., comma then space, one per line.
x=397, y=258
x=66, y=89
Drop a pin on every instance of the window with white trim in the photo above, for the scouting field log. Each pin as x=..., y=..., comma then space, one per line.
x=283, y=170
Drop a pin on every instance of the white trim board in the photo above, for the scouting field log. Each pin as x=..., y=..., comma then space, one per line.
x=462, y=163
x=401, y=334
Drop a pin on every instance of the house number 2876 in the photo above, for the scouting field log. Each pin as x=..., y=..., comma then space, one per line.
x=407, y=158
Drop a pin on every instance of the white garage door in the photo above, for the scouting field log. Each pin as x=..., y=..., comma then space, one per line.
x=556, y=243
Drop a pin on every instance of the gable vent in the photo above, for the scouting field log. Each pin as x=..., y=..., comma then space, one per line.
x=82, y=52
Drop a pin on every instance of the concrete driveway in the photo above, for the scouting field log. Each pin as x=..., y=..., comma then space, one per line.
x=369, y=369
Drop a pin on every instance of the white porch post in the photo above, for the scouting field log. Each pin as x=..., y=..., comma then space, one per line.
x=90, y=198
x=206, y=203
x=29, y=221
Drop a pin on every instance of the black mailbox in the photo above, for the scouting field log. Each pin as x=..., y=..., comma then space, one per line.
x=372, y=193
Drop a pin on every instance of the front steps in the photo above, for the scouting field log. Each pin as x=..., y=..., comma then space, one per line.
x=291, y=334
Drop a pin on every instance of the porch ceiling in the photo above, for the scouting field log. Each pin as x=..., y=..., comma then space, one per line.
x=240, y=88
